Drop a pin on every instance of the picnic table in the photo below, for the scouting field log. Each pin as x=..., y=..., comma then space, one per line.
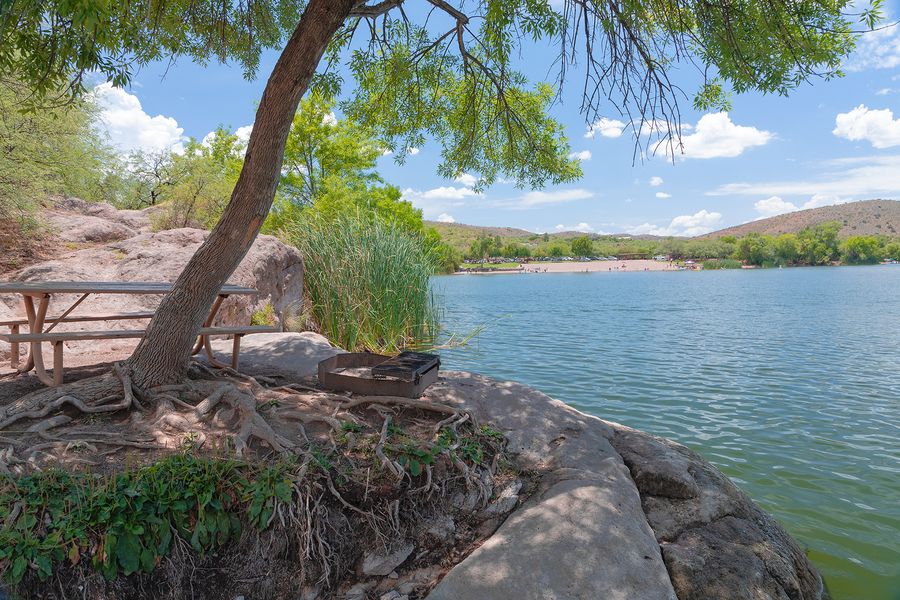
x=40, y=326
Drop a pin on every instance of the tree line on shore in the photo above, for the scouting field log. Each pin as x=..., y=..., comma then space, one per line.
x=815, y=245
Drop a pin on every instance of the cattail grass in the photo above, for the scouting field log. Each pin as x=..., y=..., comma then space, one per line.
x=367, y=283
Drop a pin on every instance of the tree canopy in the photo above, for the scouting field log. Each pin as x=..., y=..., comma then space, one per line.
x=451, y=74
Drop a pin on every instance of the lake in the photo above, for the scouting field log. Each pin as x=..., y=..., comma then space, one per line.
x=786, y=379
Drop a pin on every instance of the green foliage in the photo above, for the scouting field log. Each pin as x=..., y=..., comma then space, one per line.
x=892, y=250
x=54, y=150
x=458, y=84
x=367, y=282
x=415, y=454
x=320, y=147
x=755, y=249
x=201, y=183
x=721, y=263
x=582, y=246
x=818, y=245
x=126, y=522
x=514, y=250
x=862, y=250
x=264, y=315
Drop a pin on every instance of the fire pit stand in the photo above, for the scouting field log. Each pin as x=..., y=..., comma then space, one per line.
x=406, y=375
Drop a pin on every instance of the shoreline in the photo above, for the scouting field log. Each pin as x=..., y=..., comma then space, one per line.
x=593, y=266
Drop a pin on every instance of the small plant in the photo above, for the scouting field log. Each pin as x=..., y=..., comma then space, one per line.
x=264, y=315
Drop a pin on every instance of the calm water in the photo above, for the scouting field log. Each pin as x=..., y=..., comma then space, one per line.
x=788, y=380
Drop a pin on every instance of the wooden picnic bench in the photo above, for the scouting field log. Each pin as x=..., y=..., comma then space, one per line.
x=36, y=319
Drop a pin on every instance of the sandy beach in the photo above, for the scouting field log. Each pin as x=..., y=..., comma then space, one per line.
x=594, y=266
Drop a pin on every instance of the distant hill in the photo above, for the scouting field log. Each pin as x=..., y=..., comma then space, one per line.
x=460, y=236
x=867, y=217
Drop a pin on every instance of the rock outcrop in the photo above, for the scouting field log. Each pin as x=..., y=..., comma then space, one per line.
x=131, y=252
x=615, y=513
x=584, y=534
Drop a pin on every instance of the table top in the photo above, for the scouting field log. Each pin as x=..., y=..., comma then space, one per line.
x=102, y=287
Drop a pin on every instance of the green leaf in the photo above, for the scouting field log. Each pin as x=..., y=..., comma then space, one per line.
x=45, y=567
x=415, y=468
x=283, y=491
x=18, y=569
x=128, y=552
x=148, y=560
x=165, y=538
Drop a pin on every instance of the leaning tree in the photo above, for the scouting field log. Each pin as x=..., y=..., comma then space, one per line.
x=421, y=69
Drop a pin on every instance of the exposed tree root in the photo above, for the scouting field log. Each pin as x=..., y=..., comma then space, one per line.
x=221, y=404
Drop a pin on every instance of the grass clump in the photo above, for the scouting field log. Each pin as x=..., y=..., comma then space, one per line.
x=367, y=283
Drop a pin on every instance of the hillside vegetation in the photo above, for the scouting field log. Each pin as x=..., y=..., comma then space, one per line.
x=867, y=217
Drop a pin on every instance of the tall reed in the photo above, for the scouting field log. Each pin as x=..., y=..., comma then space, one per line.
x=367, y=283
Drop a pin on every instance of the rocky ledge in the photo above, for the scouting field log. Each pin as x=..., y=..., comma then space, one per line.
x=615, y=513
x=97, y=242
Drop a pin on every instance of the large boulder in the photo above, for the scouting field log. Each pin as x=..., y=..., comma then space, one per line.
x=717, y=544
x=603, y=489
x=271, y=267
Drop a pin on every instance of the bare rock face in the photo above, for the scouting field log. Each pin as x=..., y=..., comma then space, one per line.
x=716, y=543
x=271, y=267
x=74, y=220
x=603, y=489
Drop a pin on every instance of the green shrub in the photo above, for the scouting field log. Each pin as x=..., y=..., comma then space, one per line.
x=721, y=263
x=366, y=282
x=264, y=315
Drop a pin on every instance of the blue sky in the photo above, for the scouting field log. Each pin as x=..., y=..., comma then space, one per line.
x=832, y=141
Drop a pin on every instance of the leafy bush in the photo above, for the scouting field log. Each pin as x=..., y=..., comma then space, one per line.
x=721, y=263
x=367, y=282
x=126, y=522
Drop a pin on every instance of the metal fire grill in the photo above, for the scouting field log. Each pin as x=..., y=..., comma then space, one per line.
x=407, y=375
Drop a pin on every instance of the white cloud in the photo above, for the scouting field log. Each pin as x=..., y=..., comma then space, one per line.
x=878, y=127
x=448, y=192
x=773, y=206
x=850, y=178
x=387, y=152
x=438, y=201
x=412, y=151
x=656, y=181
x=538, y=198
x=885, y=91
x=329, y=119
x=611, y=128
x=130, y=128
x=716, y=136
x=823, y=200
x=445, y=218
x=684, y=225
x=581, y=228
x=876, y=50
x=243, y=133
x=663, y=195
x=583, y=155
x=467, y=179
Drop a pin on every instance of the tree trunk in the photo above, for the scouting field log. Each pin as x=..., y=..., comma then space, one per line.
x=162, y=356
